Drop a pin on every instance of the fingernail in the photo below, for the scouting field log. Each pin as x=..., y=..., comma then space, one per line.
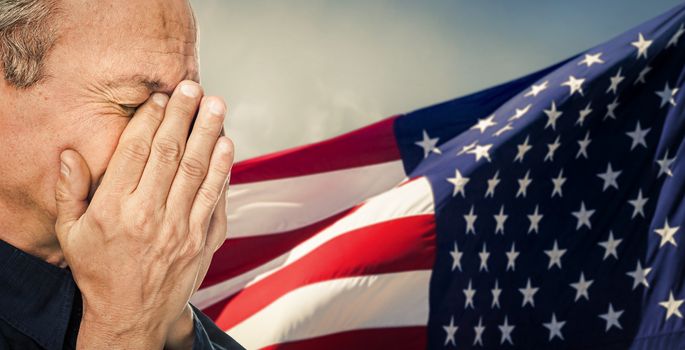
x=160, y=99
x=216, y=107
x=190, y=90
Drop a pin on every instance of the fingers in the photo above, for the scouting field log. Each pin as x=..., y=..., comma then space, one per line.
x=195, y=162
x=216, y=236
x=71, y=192
x=169, y=142
x=128, y=161
x=212, y=187
x=218, y=228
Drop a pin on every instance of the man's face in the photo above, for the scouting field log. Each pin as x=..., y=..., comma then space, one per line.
x=109, y=57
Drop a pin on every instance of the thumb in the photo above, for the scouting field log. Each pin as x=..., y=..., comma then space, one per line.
x=71, y=191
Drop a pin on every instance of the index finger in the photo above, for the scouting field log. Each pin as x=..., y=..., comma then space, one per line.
x=126, y=166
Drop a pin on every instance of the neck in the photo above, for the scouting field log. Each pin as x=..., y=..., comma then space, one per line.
x=31, y=231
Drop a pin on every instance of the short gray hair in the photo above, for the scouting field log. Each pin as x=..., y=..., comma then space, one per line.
x=26, y=37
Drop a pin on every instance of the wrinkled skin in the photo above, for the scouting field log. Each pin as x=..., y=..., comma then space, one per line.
x=109, y=58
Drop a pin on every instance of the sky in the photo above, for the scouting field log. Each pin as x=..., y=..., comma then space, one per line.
x=299, y=71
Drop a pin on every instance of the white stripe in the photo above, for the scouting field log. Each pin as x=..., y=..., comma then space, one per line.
x=410, y=199
x=282, y=205
x=376, y=301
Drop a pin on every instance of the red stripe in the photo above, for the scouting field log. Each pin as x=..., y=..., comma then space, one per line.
x=373, y=144
x=400, y=338
x=398, y=245
x=239, y=255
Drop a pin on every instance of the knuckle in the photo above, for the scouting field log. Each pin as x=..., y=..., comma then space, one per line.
x=223, y=165
x=168, y=150
x=193, y=246
x=100, y=215
x=193, y=167
x=61, y=194
x=207, y=197
x=143, y=220
x=207, y=129
x=136, y=149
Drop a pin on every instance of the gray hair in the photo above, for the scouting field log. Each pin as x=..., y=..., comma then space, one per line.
x=26, y=37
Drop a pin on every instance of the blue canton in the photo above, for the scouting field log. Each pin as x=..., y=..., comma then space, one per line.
x=560, y=201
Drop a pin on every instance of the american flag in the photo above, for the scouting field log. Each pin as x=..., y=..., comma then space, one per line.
x=545, y=212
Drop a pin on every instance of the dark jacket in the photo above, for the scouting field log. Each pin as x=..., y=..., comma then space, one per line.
x=40, y=307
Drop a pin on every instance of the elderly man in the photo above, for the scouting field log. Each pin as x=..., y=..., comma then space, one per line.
x=113, y=171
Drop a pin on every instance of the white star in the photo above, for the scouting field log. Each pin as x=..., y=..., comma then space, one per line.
x=615, y=80
x=639, y=204
x=667, y=234
x=583, y=114
x=665, y=165
x=495, y=295
x=479, y=332
x=609, y=177
x=467, y=148
x=611, y=109
x=642, y=45
x=528, y=294
x=639, y=275
x=667, y=95
x=500, y=219
x=611, y=317
x=503, y=130
x=484, y=123
x=589, y=60
x=523, y=185
x=492, y=183
x=672, y=306
x=512, y=254
x=554, y=328
x=450, y=330
x=428, y=144
x=522, y=150
x=520, y=112
x=638, y=136
x=674, y=39
x=536, y=89
x=552, y=114
x=610, y=246
x=641, y=76
x=583, y=216
x=469, y=293
x=574, y=84
x=555, y=255
x=483, y=255
x=551, y=148
x=534, y=221
x=506, y=330
x=456, y=257
x=581, y=287
x=459, y=182
x=470, y=221
x=481, y=152
x=582, y=151
x=558, y=182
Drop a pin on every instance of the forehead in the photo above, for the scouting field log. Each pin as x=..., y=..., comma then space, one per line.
x=150, y=42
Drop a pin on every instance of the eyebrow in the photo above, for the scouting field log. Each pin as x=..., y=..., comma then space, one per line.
x=150, y=84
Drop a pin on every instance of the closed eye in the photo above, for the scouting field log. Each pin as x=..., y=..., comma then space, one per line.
x=130, y=109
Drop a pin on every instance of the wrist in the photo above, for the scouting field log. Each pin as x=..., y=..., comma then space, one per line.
x=181, y=334
x=105, y=330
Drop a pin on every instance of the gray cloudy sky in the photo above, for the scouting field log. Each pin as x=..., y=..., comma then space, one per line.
x=299, y=71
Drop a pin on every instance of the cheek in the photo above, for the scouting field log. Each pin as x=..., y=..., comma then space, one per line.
x=98, y=144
